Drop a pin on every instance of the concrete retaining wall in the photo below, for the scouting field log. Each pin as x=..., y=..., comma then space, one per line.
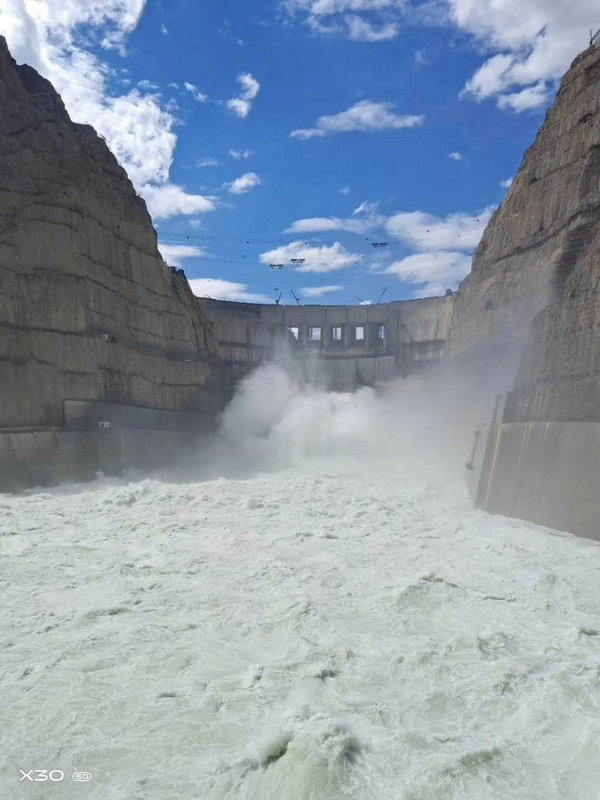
x=43, y=457
x=546, y=472
x=89, y=413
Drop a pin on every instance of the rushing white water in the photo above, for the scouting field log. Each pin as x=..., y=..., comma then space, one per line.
x=332, y=628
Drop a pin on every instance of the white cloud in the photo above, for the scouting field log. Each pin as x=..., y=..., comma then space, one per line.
x=225, y=290
x=361, y=30
x=345, y=190
x=240, y=155
x=507, y=183
x=422, y=231
x=363, y=220
x=250, y=86
x=532, y=45
x=365, y=115
x=245, y=183
x=361, y=20
x=490, y=79
x=456, y=156
x=531, y=97
x=318, y=291
x=147, y=86
x=137, y=128
x=436, y=271
x=242, y=103
x=241, y=108
x=170, y=200
x=316, y=225
x=198, y=96
x=174, y=254
x=207, y=162
x=164, y=30
x=365, y=208
x=444, y=246
x=316, y=259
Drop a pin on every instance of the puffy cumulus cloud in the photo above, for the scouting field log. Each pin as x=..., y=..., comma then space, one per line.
x=220, y=289
x=456, y=156
x=531, y=45
x=443, y=245
x=319, y=291
x=242, y=103
x=365, y=115
x=507, y=183
x=170, y=200
x=244, y=183
x=422, y=231
x=54, y=37
x=531, y=97
x=435, y=271
x=314, y=259
x=361, y=20
x=174, y=254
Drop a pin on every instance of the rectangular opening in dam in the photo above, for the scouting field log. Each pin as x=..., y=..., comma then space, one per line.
x=337, y=336
x=359, y=334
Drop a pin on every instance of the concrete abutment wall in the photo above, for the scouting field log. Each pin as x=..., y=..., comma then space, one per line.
x=546, y=472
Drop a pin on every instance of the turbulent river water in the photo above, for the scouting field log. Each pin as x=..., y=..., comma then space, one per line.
x=336, y=625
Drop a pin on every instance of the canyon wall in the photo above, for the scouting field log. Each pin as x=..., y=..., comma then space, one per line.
x=540, y=251
x=88, y=308
x=531, y=310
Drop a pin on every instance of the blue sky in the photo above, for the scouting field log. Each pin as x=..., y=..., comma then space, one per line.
x=265, y=131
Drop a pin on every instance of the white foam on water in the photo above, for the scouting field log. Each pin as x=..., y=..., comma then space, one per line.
x=339, y=623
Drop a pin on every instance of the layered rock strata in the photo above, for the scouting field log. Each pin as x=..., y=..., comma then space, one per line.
x=88, y=308
x=535, y=283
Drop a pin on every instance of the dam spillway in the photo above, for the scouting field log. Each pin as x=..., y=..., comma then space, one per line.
x=133, y=366
x=292, y=595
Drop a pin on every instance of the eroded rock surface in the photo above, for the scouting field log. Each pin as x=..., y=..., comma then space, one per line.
x=539, y=262
x=88, y=308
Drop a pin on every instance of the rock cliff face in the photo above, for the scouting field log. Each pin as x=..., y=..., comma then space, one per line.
x=535, y=281
x=88, y=308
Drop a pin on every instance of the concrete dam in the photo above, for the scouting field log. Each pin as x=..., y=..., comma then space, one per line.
x=108, y=360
